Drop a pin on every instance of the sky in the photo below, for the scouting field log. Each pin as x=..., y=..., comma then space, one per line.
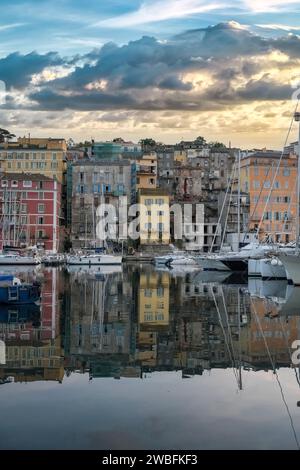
x=228, y=70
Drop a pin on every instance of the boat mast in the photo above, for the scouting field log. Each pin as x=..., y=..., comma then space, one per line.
x=297, y=119
x=239, y=199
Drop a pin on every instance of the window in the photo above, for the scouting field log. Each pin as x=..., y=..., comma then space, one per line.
x=160, y=213
x=148, y=226
x=268, y=216
x=277, y=215
x=24, y=195
x=149, y=213
x=148, y=202
x=19, y=165
x=40, y=220
x=256, y=184
x=54, y=156
x=53, y=165
x=41, y=208
x=160, y=292
x=41, y=195
x=82, y=202
x=23, y=207
x=277, y=185
x=23, y=219
x=256, y=171
x=9, y=166
x=159, y=202
x=41, y=233
x=286, y=172
x=286, y=185
x=160, y=227
x=27, y=184
x=267, y=185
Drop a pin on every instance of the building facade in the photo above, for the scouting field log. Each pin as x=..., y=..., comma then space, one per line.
x=96, y=182
x=31, y=211
x=155, y=218
x=30, y=155
x=270, y=179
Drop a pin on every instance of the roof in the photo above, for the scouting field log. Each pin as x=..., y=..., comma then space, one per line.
x=89, y=162
x=153, y=192
x=25, y=176
x=265, y=154
x=27, y=147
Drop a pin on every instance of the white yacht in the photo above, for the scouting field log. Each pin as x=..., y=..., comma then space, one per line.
x=94, y=259
x=16, y=259
x=292, y=266
x=212, y=262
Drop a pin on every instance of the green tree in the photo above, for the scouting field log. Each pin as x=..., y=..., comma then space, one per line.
x=5, y=135
x=217, y=145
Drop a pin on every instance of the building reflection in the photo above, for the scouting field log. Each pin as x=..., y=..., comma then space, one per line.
x=132, y=322
x=31, y=336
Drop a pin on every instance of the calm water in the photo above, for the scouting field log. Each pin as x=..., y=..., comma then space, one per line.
x=150, y=359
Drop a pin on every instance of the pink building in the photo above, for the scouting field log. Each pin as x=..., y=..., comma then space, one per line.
x=30, y=210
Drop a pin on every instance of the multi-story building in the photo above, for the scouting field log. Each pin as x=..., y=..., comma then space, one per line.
x=95, y=182
x=146, y=172
x=31, y=211
x=31, y=155
x=155, y=219
x=106, y=151
x=270, y=179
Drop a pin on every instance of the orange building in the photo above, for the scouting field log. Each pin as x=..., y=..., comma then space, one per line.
x=273, y=211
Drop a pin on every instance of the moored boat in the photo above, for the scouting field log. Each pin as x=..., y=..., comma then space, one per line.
x=94, y=260
x=15, y=259
x=13, y=291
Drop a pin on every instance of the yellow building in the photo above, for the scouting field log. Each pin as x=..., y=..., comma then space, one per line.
x=180, y=156
x=30, y=155
x=146, y=171
x=154, y=217
x=153, y=308
x=274, y=212
x=154, y=300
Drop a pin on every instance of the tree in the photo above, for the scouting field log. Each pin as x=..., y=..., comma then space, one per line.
x=217, y=145
x=147, y=144
x=5, y=135
x=200, y=140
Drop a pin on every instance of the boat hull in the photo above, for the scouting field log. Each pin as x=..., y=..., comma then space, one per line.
x=18, y=261
x=236, y=264
x=101, y=260
x=212, y=264
x=20, y=294
x=272, y=271
x=292, y=267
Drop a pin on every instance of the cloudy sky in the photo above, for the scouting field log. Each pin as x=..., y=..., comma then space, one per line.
x=169, y=69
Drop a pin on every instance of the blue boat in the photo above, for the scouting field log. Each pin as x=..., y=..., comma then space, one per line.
x=15, y=292
x=26, y=313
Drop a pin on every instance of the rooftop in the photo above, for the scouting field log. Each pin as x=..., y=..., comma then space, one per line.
x=154, y=192
x=25, y=176
x=88, y=162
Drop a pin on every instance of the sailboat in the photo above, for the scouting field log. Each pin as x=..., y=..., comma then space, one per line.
x=291, y=262
x=98, y=257
x=11, y=230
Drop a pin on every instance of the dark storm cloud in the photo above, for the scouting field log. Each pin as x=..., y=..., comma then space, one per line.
x=148, y=74
x=16, y=70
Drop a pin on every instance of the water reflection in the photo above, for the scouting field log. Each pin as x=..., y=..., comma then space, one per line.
x=135, y=322
x=120, y=323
